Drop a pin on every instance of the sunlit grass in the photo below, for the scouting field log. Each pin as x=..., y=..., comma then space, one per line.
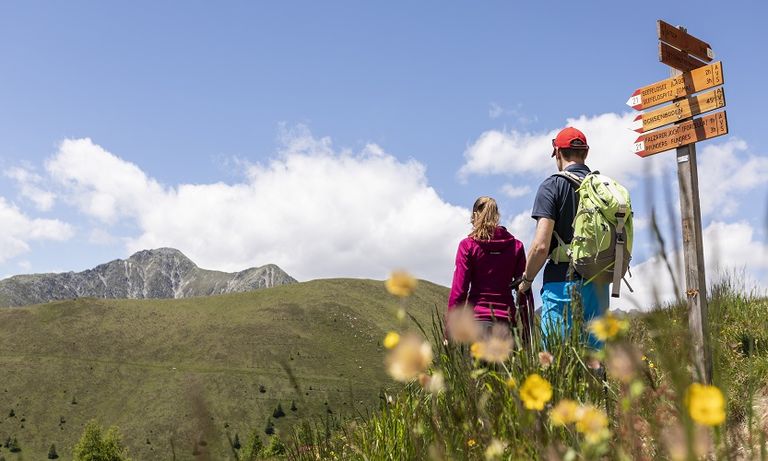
x=558, y=399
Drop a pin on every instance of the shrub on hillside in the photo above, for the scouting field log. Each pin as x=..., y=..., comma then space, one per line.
x=52, y=452
x=95, y=446
x=252, y=449
x=14, y=446
x=276, y=447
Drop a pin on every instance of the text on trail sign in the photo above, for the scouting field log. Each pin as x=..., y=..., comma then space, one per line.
x=677, y=111
x=698, y=129
x=687, y=83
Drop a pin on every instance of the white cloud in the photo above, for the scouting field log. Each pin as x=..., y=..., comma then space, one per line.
x=519, y=153
x=515, y=191
x=727, y=247
x=28, y=183
x=495, y=111
x=315, y=211
x=522, y=226
x=18, y=230
x=101, y=184
x=726, y=171
x=99, y=236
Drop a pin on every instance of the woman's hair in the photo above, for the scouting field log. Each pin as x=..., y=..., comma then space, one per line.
x=485, y=218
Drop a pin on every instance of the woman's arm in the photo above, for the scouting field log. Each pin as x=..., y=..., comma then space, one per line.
x=462, y=275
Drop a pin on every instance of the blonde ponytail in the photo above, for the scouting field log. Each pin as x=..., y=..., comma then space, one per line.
x=485, y=218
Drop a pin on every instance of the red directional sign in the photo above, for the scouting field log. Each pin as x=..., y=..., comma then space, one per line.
x=685, y=84
x=689, y=132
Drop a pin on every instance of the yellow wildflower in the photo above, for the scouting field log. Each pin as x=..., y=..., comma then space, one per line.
x=471, y=443
x=593, y=423
x=411, y=356
x=607, y=327
x=565, y=412
x=535, y=392
x=391, y=340
x=401, y=283
x=511, y=383
x=706, y=404
x=476, y=350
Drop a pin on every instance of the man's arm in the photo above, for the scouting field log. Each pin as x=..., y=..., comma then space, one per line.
x=539, y=251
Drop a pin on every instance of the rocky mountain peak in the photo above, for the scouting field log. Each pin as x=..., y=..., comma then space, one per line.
x=156, y=273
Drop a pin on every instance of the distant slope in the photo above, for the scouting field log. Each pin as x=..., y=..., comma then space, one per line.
x=160, y=273
x=191, y=369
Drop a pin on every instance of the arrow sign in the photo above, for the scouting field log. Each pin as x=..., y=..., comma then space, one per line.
x=684, y=84
x=689, y=132
x=678, y=59
x=684, y=41
x=694, y=105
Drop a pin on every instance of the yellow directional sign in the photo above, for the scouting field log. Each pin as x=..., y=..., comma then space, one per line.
x=685, y=84
x=698, y=129
x=684, y=41
x=688, y=107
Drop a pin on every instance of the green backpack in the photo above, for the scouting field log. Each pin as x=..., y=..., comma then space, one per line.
x=602, y=231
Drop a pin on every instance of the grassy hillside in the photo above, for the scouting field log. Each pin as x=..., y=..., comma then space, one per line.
x=636, y=399
x=174, y=372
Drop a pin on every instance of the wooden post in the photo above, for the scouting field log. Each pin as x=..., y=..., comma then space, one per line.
x=693, y=253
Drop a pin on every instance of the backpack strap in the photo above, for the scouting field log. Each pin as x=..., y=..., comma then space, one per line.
x=557, y=254
x=621, y=241
x=571, y=177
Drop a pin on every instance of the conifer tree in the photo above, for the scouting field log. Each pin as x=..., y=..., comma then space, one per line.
x=94, y=445
x=278, y=413
x=270, y=429
x=14, y=446
x=52, y=452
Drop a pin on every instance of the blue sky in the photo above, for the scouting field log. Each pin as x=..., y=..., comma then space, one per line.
x=199, y=106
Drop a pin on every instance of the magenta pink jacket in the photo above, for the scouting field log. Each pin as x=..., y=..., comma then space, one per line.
x=484, y=270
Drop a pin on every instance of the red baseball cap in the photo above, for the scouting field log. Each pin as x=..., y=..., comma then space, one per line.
x=569, y=138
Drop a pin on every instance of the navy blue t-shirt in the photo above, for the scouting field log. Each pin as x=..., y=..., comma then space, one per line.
x=556, y=199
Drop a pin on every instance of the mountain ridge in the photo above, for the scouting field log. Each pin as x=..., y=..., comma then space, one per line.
x=148, y=274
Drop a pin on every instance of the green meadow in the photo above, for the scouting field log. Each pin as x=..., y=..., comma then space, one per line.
x=180, y=376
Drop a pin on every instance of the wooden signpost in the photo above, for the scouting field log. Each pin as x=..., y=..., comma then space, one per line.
x=686, y=108
x=687, y=55
x=700, y=79
x=681, y=40
x=685, y=133
x=678, y=59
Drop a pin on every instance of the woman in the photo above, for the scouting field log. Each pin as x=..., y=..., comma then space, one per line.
x=487, y=262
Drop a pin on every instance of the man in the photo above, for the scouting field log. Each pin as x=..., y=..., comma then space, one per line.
x=554, y=210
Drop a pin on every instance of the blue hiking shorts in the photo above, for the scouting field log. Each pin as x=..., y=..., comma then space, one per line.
x=556, y=306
